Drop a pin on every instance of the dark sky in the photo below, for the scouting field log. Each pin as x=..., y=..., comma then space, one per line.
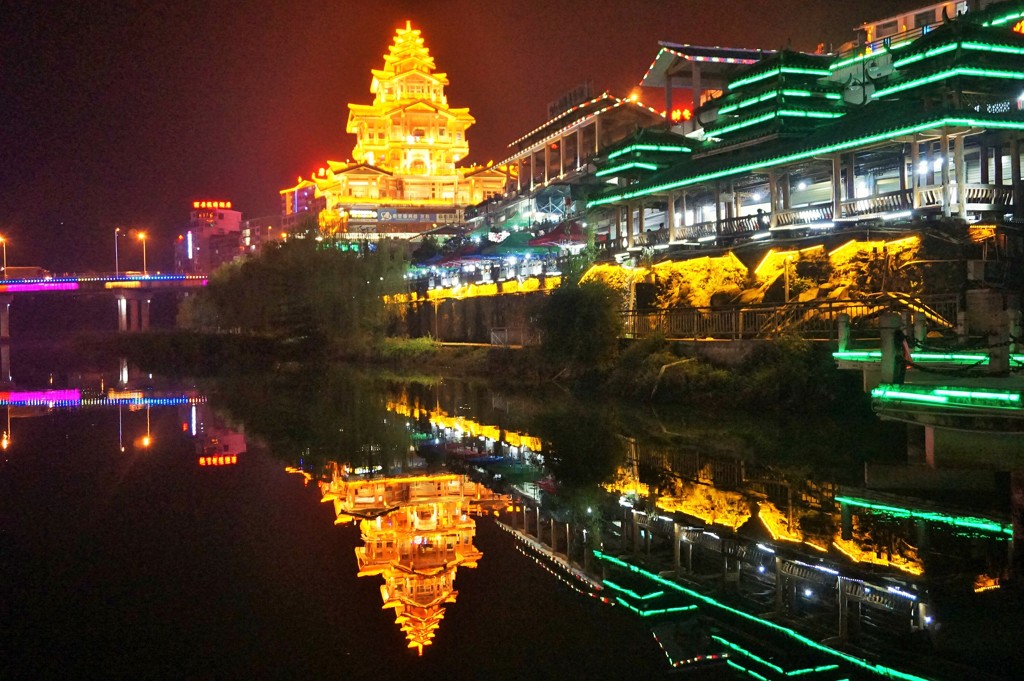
x=122, y=113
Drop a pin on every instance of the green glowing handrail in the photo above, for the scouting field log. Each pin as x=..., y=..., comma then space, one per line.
x=879, y=669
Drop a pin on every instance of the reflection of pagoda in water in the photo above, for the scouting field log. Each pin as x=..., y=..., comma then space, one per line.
x=416, y=531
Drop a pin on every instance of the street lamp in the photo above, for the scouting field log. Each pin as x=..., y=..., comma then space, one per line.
x=117, y=265
x=142, y=238
x=3, y=241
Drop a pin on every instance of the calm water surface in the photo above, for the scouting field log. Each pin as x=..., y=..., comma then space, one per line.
x=176, y=530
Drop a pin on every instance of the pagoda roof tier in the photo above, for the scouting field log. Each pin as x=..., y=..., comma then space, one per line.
x=384, y=75
x=673, y=61
x=783, y=66
x=574, y=115
x=374, y=111
x=962, y=41
x=864, y=128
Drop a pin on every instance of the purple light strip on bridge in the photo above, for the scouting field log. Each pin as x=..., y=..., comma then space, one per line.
x=40, y=396
x=48, y=286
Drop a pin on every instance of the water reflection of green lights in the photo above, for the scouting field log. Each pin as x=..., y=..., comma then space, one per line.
x=880, y=670
x=969, y=522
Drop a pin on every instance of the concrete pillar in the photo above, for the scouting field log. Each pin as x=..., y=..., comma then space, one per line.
x=5, y=363
x=844, y=605
x=773, y=199
x=538, y=525
x=997, y=164
x=837, y=179
x=554, y=538
x=947, y=208
x=780, y=586
x=889, y=323
x=786, y=199
x=677, y=536
x=561, y=157
x=641, y=228
x=617, y=227
x=718, y=209
x=579, y=146
x=697, y=87
x=144, y=317
x=670, y=216
x=843, y=322
x=547, y=162
x=961, y=176
x=5, y=317
x=133, y=314
x=122, y=303
x=630, y=232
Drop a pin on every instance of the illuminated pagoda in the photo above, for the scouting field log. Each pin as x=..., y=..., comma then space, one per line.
x=404, y=177
x=417, y=531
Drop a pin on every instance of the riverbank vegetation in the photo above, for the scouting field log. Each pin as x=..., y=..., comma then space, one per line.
x=306, y=302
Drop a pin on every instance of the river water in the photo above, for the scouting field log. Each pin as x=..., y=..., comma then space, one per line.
x=244, y=528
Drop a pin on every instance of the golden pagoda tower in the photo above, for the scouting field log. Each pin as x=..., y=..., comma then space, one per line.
x=416, y=531
x=404, y=177
x=409, y=129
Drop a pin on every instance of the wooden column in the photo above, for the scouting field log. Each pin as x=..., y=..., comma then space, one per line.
x=961, y=175
x=1018, y=187
x=837, y=183
x=947, y=209
x=915, y=160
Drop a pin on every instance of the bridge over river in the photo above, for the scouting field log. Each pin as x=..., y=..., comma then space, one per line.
x=132, y=292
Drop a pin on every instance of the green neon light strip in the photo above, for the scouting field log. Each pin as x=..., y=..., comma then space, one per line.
x=715, y=132
x=867, y=55
x=949, y=73
x=934, y=516
x=777, y=628
x=989, y=399
x=625, y=166
x=773, y=94
x=648, y=147
x=815, y=670
x=1004, y=19
x=776, y=72
x=978, y=395
x=967, y=45
x=808, y=153
x=630, y=592
x=747, y=671
x=651, y=613
x=747, y=653
x=901, y=395
x=921, y=357
x=934, y=52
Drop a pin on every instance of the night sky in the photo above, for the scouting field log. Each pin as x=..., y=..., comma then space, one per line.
x=122, y=113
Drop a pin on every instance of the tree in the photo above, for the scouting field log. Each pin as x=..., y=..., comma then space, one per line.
x=581, y=324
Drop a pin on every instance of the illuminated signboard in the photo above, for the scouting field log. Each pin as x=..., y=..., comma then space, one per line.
x=211, y=204
x=225, y=460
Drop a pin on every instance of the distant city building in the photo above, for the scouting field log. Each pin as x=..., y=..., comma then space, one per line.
x=404, y=178
x=212, y=238
x=257, y=232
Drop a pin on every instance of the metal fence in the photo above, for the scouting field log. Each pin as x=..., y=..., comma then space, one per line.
x=811, y=319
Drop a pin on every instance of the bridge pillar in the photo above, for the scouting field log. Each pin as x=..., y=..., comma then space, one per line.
x=122, y=313
x=144, y=316
x=5, y=317
x=5, y=363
